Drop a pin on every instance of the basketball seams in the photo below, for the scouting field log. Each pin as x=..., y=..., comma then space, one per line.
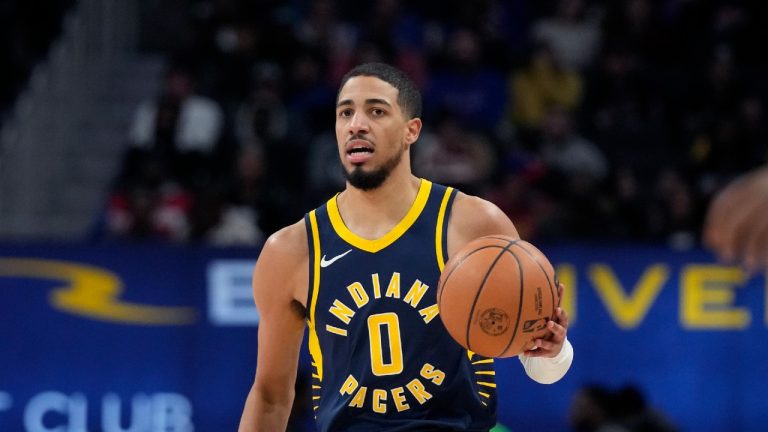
x=486, y=271
x=455, y=266
x=505, y=239
x=520, y=297
x=482, y=285
x=552, y=288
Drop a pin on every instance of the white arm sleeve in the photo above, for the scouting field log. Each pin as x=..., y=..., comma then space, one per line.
x=546, y=370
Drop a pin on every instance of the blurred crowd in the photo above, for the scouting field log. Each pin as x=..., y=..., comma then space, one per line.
x=596, y=408
x=581, y=119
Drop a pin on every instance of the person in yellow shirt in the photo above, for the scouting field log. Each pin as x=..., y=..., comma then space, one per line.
x=541, y=86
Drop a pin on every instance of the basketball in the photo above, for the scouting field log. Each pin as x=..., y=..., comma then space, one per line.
x=496, y=296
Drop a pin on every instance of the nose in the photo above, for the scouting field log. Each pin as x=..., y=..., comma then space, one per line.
x=358, y=124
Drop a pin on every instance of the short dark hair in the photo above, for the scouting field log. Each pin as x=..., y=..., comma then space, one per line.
x=408, y=95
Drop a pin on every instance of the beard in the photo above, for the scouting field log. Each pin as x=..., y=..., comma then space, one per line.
x=370, y=180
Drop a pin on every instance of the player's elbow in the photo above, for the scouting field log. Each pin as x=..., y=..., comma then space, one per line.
x=275, y=398
x=266, y=410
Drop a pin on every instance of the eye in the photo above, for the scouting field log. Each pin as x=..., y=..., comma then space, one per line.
x=377, y=112
x=345, y=113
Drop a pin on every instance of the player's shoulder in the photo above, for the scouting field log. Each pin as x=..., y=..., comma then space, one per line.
x=473, y=217
x=288, y=243
x=472, y=210
x=280, y=275
x=283, y=260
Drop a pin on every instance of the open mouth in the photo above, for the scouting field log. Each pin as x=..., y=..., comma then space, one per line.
x=359, y=151
x=357, y=145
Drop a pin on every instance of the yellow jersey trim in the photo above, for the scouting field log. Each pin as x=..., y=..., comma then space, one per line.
x=395, y=233
x=439, y=229
x=314, y=341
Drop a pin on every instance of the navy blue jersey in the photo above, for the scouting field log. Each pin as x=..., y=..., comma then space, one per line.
x=381, y=358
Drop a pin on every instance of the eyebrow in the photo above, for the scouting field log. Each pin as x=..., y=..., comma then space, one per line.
x=372, y=101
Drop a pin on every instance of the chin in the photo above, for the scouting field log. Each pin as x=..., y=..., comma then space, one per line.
x=366, y=179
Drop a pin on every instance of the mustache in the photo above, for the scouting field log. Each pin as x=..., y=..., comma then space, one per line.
x=359, y=137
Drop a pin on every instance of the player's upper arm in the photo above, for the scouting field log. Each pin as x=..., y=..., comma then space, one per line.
x=280, y=281
x=473, y=217
x=282, y=270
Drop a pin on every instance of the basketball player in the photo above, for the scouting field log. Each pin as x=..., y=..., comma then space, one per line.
x=362, y=272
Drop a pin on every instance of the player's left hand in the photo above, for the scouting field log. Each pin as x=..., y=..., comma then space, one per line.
x=558, y=328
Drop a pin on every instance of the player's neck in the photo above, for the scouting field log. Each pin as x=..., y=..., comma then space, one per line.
x=371, y=214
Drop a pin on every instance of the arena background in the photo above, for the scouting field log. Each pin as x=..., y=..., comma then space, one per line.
x=148, y=149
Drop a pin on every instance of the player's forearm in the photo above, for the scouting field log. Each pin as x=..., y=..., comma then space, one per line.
x=546, y=370
x=262, y=414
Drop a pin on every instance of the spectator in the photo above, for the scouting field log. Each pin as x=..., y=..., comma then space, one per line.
x=590, y=411
x=153, y=208
x=626, y=114
x=633, y=413
x=519, y=196
x=569, y=153
x=729, y=138
x=228, y=213
x=453, y=155
x=541, y=86
x=576, y=170
x=637, y=25
x=262, y=119
x=308, y=95
x=630, y=206
x=573, y=33
x=239, y=46
x=675, y=213
x=179, y=130
x=321, y=32
x=466, y=87
x=651, y=84
x=595, y=408
x=324, y=171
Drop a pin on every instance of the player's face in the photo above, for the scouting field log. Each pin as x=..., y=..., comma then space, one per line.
x=372, y=131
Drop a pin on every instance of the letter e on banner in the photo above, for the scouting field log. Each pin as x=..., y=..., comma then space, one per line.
x=230, y=298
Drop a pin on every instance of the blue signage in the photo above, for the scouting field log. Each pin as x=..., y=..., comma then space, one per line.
x=147, y=338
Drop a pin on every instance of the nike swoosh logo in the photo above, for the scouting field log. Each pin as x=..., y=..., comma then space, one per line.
x=326, y=263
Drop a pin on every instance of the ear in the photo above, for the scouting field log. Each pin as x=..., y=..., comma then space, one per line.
x=412, y=130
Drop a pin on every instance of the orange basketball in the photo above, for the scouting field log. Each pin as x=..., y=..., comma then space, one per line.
x=496, y=295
